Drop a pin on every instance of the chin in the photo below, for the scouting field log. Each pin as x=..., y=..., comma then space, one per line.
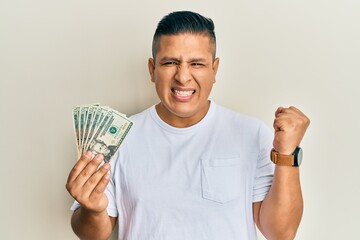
x=187, y=111
x=183, y=113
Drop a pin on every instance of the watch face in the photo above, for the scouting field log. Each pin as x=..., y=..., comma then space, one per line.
x=298, y=155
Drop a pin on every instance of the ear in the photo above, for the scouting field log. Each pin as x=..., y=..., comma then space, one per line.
x=151, y=67
x=215, y=67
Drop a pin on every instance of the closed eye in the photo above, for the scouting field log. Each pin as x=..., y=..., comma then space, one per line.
x=169, y=63
x=197, y=64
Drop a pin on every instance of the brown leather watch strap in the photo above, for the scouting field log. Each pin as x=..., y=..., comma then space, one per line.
x=280, y=159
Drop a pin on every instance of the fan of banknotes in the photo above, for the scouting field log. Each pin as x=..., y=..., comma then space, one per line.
x=99, y=129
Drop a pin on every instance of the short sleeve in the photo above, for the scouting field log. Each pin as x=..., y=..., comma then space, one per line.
x=75, y=206
x=110, y=191
x=264, y=172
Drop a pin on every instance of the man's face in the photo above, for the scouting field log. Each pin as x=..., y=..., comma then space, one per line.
x=183, y=72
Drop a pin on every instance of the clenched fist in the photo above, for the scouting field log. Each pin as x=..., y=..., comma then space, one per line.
x=290, y=125
x=87, y=184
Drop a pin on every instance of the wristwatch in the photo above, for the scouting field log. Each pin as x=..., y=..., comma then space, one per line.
x=293, y=160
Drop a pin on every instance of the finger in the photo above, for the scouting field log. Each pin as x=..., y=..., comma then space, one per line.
x=286, y=116
x=89, y=170
x=295, y=109
x=278, y=110
x=79, y=166
x=292, y=116
x=99, y=190
x=95, y=179
x=300, y=114
x=285, y=121
x=282, y=111
x=292, y=110
x=276, y=125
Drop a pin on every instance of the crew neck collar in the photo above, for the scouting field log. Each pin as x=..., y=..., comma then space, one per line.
x=170, y=128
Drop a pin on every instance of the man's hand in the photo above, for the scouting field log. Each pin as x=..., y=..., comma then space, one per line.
x=87, y=184
x=290, y=125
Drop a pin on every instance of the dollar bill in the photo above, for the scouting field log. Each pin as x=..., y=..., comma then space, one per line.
x=82, y=121
x=76, y=111
x=100, y=129
x=98, y=117
x=83, y=112
x=89, y=115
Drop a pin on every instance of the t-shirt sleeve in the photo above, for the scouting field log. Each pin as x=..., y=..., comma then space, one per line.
x=75, y=206
x=265, y=168
x=110, y=191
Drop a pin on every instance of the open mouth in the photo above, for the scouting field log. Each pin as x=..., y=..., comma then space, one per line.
x=183, y=93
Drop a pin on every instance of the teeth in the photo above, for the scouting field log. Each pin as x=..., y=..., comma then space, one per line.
x=183, y=93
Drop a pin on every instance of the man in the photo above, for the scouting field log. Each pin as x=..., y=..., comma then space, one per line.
x=189, y=168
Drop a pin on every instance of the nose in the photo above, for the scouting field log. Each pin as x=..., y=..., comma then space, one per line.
x=183, y=74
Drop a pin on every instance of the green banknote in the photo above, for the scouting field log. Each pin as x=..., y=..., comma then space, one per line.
x=99, y=129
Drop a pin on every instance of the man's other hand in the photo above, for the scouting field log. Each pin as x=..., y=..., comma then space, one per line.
x=290, y=125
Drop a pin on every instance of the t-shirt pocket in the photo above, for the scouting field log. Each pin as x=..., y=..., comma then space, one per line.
x=221, y=178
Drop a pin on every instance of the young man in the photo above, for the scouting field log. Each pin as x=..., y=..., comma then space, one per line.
x=191, y=169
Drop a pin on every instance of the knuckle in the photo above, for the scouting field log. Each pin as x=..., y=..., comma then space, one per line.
x=305, y=121
x=84, y=173
x=82, y=159
x=75, y=168
x=94, y=163
x=103, y=170
x=92, y=181
x=98, y=191
x=106, y=179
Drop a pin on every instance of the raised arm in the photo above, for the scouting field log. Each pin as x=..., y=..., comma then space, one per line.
x=279, y=215
x=87, y=185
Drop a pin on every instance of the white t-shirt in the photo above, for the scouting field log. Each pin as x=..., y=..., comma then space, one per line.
x=190, y=183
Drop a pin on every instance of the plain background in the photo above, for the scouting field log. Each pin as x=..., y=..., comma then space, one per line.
x=58, y=54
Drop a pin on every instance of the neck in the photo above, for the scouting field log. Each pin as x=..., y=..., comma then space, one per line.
x=181, y=121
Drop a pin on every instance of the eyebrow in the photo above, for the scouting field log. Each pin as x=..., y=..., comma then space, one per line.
x=197, y=60
x=164, y=59
x=178, y=60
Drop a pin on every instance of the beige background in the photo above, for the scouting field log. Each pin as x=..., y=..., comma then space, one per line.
x=58, y=54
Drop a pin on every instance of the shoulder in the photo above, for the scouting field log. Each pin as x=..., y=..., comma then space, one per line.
x=229, y=116
x=143, y=124
x=250, y=127
x=141, y=115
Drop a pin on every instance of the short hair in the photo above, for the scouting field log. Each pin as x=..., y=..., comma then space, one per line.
x=184, y=22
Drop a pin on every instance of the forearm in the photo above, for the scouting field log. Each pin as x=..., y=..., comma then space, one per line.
x=88, y=226
x=281, y=211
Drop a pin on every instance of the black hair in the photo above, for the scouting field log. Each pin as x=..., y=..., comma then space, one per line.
x=183, y=22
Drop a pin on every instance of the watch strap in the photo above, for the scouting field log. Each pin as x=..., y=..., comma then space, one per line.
x=281, y=159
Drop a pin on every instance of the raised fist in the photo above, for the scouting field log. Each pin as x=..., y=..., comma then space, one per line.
x=290, y=125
